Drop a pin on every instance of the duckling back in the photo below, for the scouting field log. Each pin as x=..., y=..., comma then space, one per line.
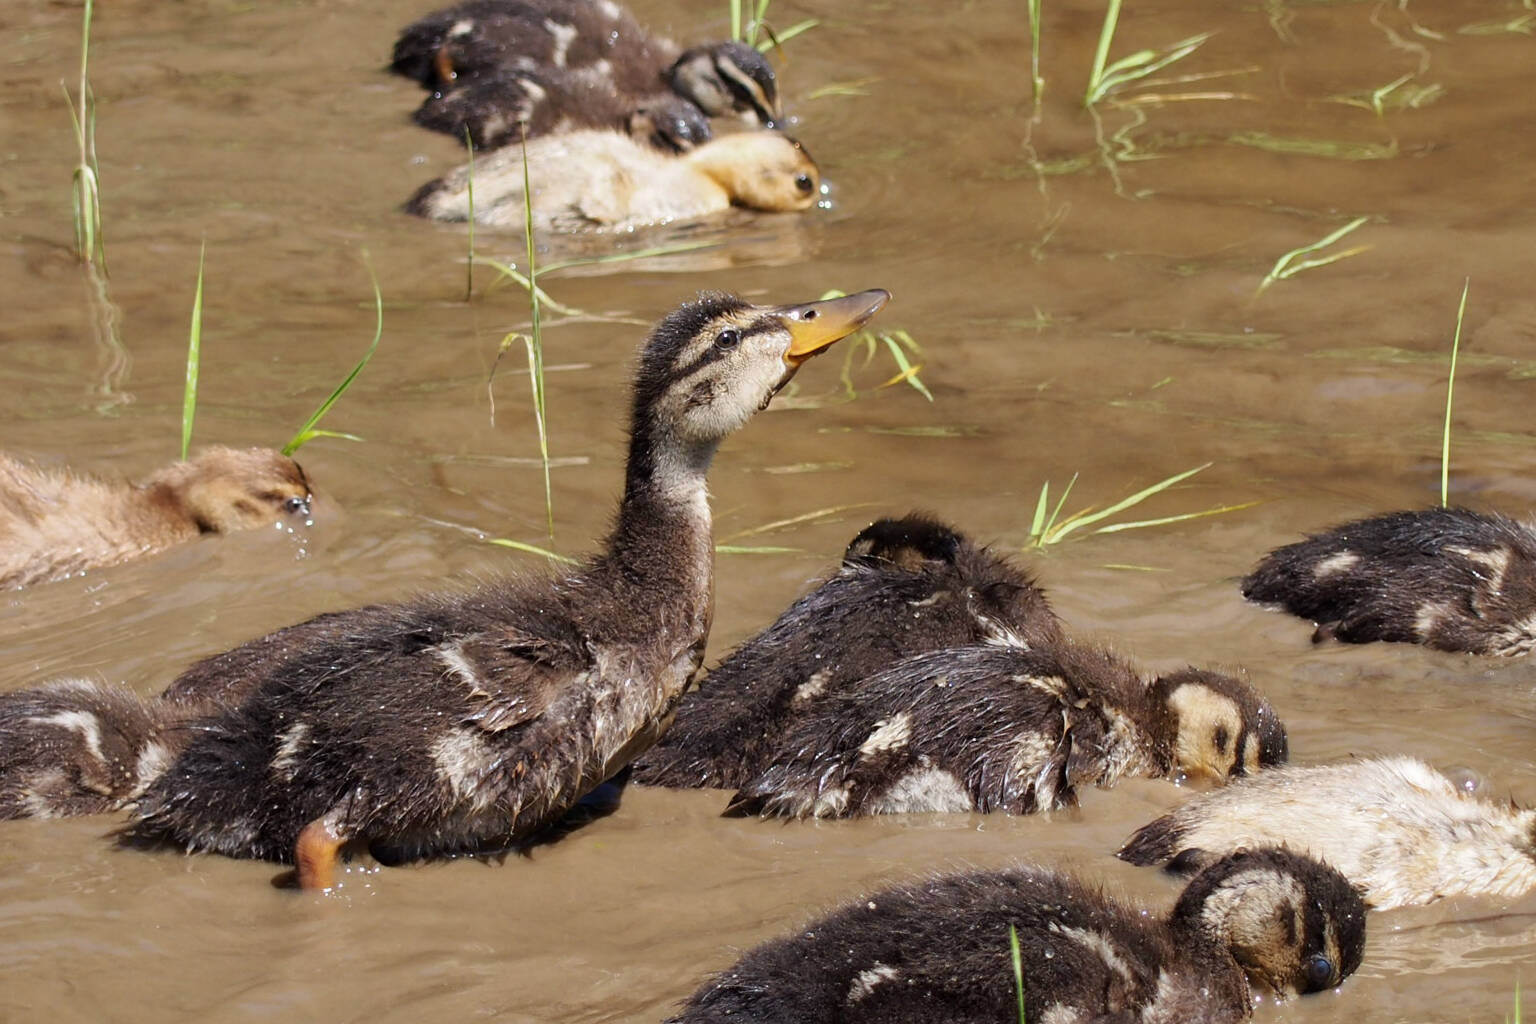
x=1394, y=826
x=1447, y=578
x=905, y=586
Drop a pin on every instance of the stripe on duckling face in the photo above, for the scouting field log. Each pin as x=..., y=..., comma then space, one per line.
x=1210, y=732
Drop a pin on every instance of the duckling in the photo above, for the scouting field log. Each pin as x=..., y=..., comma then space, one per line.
x=458, y=722
x=1447, y=578
x=987, y=728
x=940, y=951
x=905, y=586
x=80, y=747
x=556, y=65
x=603, y=181
x=55, y=523
x=1397, y=828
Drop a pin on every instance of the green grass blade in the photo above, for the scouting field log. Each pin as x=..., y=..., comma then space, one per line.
x=1125, y=503
x=1038, y=523
x=1165, y=520
x=1018, y=968
x=307, y=432
x=1450, y=386
x=1037, y=83
x=908, y=371
x=740, y=549
x=805, y=517
x=194, y=353
x=1286, y=266
x=736, y=21
x=512, y=274
x=469, y=269
x=1101, y=54
x=532, y=549
x=778, y=39
x=535, y=345
x=1051, y=522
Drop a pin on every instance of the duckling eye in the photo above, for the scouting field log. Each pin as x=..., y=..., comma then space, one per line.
x=293, y=506
x=728, y=339
x=803, y=183
x=1319, y=973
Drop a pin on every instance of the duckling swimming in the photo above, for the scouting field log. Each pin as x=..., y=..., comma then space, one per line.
x=462, y=721
x=603, y=181
x=55, y=523
x=905, y=586
x=1394, y=826
x=558, y=65
x=1447, y=578
x=987, y=728
x=938, y=952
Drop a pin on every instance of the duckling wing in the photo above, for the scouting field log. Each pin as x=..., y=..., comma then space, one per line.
x=514, y=675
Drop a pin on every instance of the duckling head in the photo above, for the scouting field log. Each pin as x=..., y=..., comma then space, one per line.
x=1294, y=924
x=724, y=78
x=763, y=170
x=712, y=363
x=227, y=489
x=1221, y=727
x=907, y=542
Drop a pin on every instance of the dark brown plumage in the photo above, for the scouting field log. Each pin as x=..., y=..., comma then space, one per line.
x=1447, y=578
x=465, y=721
x=491, y=65
x=997, y=728
x=938, y=952
x=905, y=586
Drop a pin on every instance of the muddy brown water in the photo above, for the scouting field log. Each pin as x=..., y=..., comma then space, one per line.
x=1099, y=321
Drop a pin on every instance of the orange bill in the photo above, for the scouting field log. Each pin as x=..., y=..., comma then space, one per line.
x=815, y=325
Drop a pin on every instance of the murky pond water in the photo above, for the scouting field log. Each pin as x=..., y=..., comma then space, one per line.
x=1085, y=295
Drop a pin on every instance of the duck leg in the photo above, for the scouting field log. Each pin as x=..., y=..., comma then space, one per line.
x=316, y=851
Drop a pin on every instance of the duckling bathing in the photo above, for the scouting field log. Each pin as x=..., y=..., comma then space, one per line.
x=491, y=66
x=603, y=181
x=1447, y=578
x=988, y=728
x=905, y=586
x=459, y=722
x=1394, y=826
x=938, y=952
x=55, y=523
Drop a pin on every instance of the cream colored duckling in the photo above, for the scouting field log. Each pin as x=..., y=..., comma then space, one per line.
x=604, y=181
x=1394, y=826
x=55, y=523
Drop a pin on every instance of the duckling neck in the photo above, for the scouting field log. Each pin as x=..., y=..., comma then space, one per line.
x=663, y=534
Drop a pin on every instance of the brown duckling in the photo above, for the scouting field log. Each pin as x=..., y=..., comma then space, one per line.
x=55, y=523
x=1447, y=578
x=988, y=728
x=556, y=65
x=905, y=586
x=1394, y=826
x=939, y=952
x=459, y=722
x=604, y=181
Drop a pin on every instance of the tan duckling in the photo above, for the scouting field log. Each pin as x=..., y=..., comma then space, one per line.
x=905, y=586
x=604, y=181
x=1394, y=826
x=1447, y=578
x=55, y=523
x=558, y=65
x=989, y=728
x=469, y=720
x=939, y=952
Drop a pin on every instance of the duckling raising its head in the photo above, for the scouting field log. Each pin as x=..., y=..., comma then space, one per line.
x=1394, y=826
x=987, y=728
x=603, y=181
x=1447, y=578
x=557, y=65
x=940, y=951
x=460, y=722
x=905, y=586
x=55, y=524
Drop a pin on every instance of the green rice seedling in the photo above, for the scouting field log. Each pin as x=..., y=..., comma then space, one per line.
x=1037, y=84
x=1516, y=1018
x=90, y=247
x=469, y=266
x=755, y=31
x=1294, y=262
x=1049, y=528
x=534, y=343
x=1450, y=386
x=194, y=352
x=532, y=549
x=868, y=342
x=1103, y=80
x=804, y=517
x=309, y=431
x=1018, y=968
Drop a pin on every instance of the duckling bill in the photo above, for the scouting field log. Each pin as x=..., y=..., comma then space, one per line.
x=938, y=952
x=470, y=720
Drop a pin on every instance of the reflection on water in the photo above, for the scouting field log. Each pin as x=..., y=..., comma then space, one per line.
x=1084, y=287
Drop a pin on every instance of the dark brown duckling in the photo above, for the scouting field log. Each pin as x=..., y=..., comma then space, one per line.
x=939, y=952
x=462, y=721
x=1447, y=578
x=561, y=64
x=905, y=586
x=988, y=728
x=55, y=523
